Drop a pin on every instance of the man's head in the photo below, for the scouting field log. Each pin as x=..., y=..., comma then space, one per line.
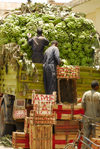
x=54, y=43
x=95, y=85
x=39, y=31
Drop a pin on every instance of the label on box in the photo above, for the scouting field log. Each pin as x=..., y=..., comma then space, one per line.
x=19, y=114
x=42, y=103
x=42, y=107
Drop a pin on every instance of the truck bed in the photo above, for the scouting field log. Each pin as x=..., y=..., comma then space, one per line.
x=15, y=81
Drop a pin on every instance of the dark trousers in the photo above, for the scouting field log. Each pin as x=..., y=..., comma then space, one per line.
x=50, y=80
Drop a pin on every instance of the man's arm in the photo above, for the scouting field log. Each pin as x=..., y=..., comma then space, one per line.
x=30, y=40
x=46, y=42
x=84, y=102
x=56, y=54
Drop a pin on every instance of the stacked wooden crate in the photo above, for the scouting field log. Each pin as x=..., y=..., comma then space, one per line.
x=38, y=127
x=67, y=114
x=68, y=72
x=97, y=130
x=96, y=140
x=78, y=111
x=66, y=78
x=20, y=139
x=67, y=125
x=41, y=121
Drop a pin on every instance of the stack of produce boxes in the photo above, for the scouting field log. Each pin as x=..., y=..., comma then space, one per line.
x=96, y=140
x=38, y=127
x=41, y=121
x=67, y=124
x=20, y=139
x=67, y=115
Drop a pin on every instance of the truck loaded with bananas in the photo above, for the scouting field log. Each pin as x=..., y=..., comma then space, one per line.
x=19, y=76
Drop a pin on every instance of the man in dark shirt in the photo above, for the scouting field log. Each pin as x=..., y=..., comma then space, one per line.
x=37, y=43
x=51, y=60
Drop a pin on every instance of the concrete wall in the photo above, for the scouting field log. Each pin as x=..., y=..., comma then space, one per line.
x=8, y=6
x=92, y=10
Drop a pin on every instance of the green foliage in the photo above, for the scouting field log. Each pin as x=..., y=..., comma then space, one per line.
x=74, y=33
x=6, y=140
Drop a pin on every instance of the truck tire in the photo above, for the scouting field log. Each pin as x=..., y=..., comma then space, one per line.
x=4, y=128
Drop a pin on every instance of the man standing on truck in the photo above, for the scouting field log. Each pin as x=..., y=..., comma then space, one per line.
x=91, y=106
x=51, y=60
x=37, y=44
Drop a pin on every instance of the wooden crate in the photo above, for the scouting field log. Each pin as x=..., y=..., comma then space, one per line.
x=68, y=111
x=66, y=126
x=78, y=111
x=67, y=90
x=40, y=136
x=97, y=142
x=20, y=140
x=97, y=131
x=42, y=103
x=71, y=137
x=19, y=113
x=42, y=119
x=63, y=112
x=26, y=125
x=59, y=141
x=70, y=72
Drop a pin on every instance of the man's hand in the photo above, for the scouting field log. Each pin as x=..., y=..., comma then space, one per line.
x=29, y=35
x=61, y=61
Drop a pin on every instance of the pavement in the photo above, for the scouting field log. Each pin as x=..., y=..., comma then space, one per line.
x=3, y=147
